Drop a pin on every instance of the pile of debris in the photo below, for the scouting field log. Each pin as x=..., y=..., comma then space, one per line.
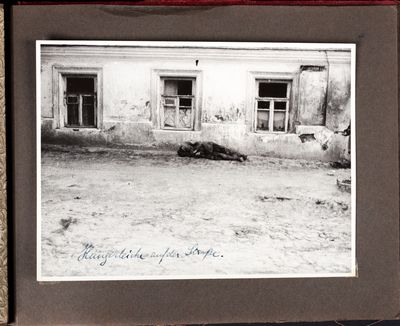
x=344, y=184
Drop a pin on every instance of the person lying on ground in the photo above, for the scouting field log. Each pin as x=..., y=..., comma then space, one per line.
x=210, y=150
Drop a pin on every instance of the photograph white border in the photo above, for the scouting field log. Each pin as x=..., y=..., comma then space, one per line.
x=172, y=44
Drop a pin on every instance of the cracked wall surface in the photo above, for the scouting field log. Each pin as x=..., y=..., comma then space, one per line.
x=319, y=96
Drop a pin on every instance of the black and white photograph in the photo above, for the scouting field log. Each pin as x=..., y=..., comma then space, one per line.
x=188, y=160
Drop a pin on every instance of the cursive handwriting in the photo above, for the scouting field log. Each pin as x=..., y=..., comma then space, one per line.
x=196, y=251
x=91, y=253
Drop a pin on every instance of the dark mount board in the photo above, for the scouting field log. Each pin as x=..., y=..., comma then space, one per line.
x=374, y=294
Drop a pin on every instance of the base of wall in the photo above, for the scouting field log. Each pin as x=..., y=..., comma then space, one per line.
x=309, y=142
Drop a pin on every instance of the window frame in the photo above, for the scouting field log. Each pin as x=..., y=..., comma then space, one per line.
x=253, y=77
x=176, y=105
x=272, y=101
x=80, y=103
x=158, y=75
x=60, y=75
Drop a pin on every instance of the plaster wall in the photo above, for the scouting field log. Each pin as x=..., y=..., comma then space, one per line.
x=320, y=97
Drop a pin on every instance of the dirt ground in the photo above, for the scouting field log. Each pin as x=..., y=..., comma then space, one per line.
x=149, y=213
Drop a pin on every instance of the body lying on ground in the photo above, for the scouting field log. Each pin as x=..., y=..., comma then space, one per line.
x=209, y=150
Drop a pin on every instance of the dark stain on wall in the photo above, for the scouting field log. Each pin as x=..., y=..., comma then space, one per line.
x=312, y=68
x=307, y=137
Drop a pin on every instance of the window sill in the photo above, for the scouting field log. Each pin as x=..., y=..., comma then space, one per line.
x=77, y=130
x=270, y=132
x=176, y=130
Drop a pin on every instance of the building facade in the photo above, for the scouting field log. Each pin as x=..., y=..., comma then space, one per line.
x=261, y=100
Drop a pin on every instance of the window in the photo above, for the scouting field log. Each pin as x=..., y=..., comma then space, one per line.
x=77, y=96
x=80, y=99
x=177, y=103
x=272, y=105
x=176, y=99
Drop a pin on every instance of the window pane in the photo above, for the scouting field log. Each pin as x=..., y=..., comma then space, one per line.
x=169, y=117
x=280, y=105
x=262, y=120
x=88, y=100
x=263, y=105
x=73, y=114
x=88, y=115
x=80, y=85
x=72, y=99
x=267, y=89
x=279, y=121
x=184, y=87
x=170, y=87
x=177, y=87
x=169, y=101
x=88, y=111
x=185, y=118
x=185, y=102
